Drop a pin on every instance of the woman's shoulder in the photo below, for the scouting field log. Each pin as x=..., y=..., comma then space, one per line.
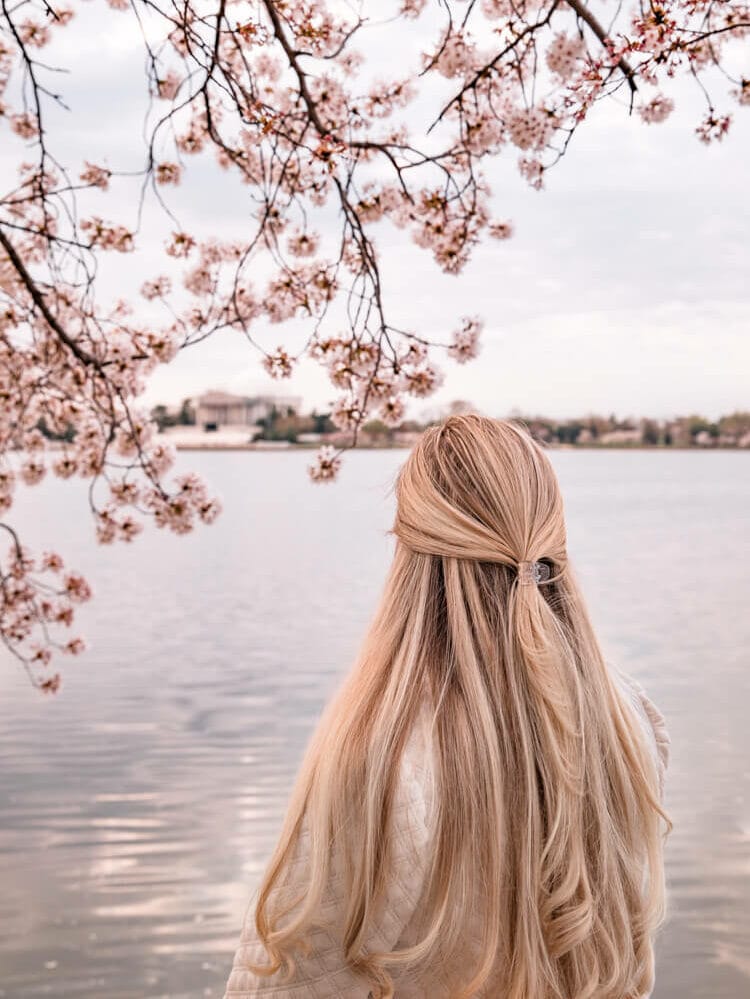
x=651, y=716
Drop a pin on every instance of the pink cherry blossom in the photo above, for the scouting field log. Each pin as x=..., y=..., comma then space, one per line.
x=76, y=588
x=180, y=245
x=24, y=124
x=564, y=53
x=168, y=85
x=392, y=411
x=531, y=128
x=657, y=110
x=65, y=466
x=500, y=230
x=326, y=466
x=412, y=8
x=346, y=413
x=158, y=287
x=303, y=244
x=278, y=364
x=52, y=561
x=108, y=236
x=532, y=170
x=465, y=344
x=713, y=128
x=96, y=176
x=34, y=34
x=167, y=173
x=32, y=471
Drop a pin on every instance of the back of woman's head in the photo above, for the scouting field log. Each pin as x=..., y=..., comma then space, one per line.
x=545, y=877
x=480, y=489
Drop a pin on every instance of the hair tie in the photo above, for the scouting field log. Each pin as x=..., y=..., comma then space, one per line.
x=533, y=572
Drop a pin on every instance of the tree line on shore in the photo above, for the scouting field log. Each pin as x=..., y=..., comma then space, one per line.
x=592, y=430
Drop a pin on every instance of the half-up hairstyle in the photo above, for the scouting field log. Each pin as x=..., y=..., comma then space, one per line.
x=548, y=826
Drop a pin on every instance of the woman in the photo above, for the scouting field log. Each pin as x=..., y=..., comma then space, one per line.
x=479, y=812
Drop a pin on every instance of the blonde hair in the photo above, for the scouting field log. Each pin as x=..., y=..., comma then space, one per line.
x=556, y=839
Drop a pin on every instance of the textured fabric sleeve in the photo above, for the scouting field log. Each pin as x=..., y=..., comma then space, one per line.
x=659, y=725
x=323, y=973
x=656, y=723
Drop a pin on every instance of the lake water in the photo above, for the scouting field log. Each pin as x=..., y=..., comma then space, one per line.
x=138, y=806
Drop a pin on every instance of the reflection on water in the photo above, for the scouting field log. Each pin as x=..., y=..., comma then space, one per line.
x=137, y=807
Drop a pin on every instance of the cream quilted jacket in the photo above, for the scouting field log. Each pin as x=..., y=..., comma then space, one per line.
x=323, y=974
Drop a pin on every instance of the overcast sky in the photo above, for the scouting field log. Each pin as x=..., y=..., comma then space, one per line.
x=625, y=287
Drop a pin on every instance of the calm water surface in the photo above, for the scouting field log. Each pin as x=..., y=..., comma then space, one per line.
x=138, y=806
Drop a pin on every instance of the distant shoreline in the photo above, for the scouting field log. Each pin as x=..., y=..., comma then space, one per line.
x=285, y=448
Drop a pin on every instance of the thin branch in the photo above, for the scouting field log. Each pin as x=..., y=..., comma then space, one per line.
x=599, y=30
x=304, y=90
x=38, y=298
x=486, y=69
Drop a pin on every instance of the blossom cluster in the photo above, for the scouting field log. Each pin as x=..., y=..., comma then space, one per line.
x=37, y=609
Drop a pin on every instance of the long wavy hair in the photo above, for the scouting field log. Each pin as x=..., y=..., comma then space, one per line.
x=549, y=829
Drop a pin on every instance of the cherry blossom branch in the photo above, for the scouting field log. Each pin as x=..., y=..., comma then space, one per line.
x=291, y=54
x=83, y=356
x=592, y=21
x=485, y=70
